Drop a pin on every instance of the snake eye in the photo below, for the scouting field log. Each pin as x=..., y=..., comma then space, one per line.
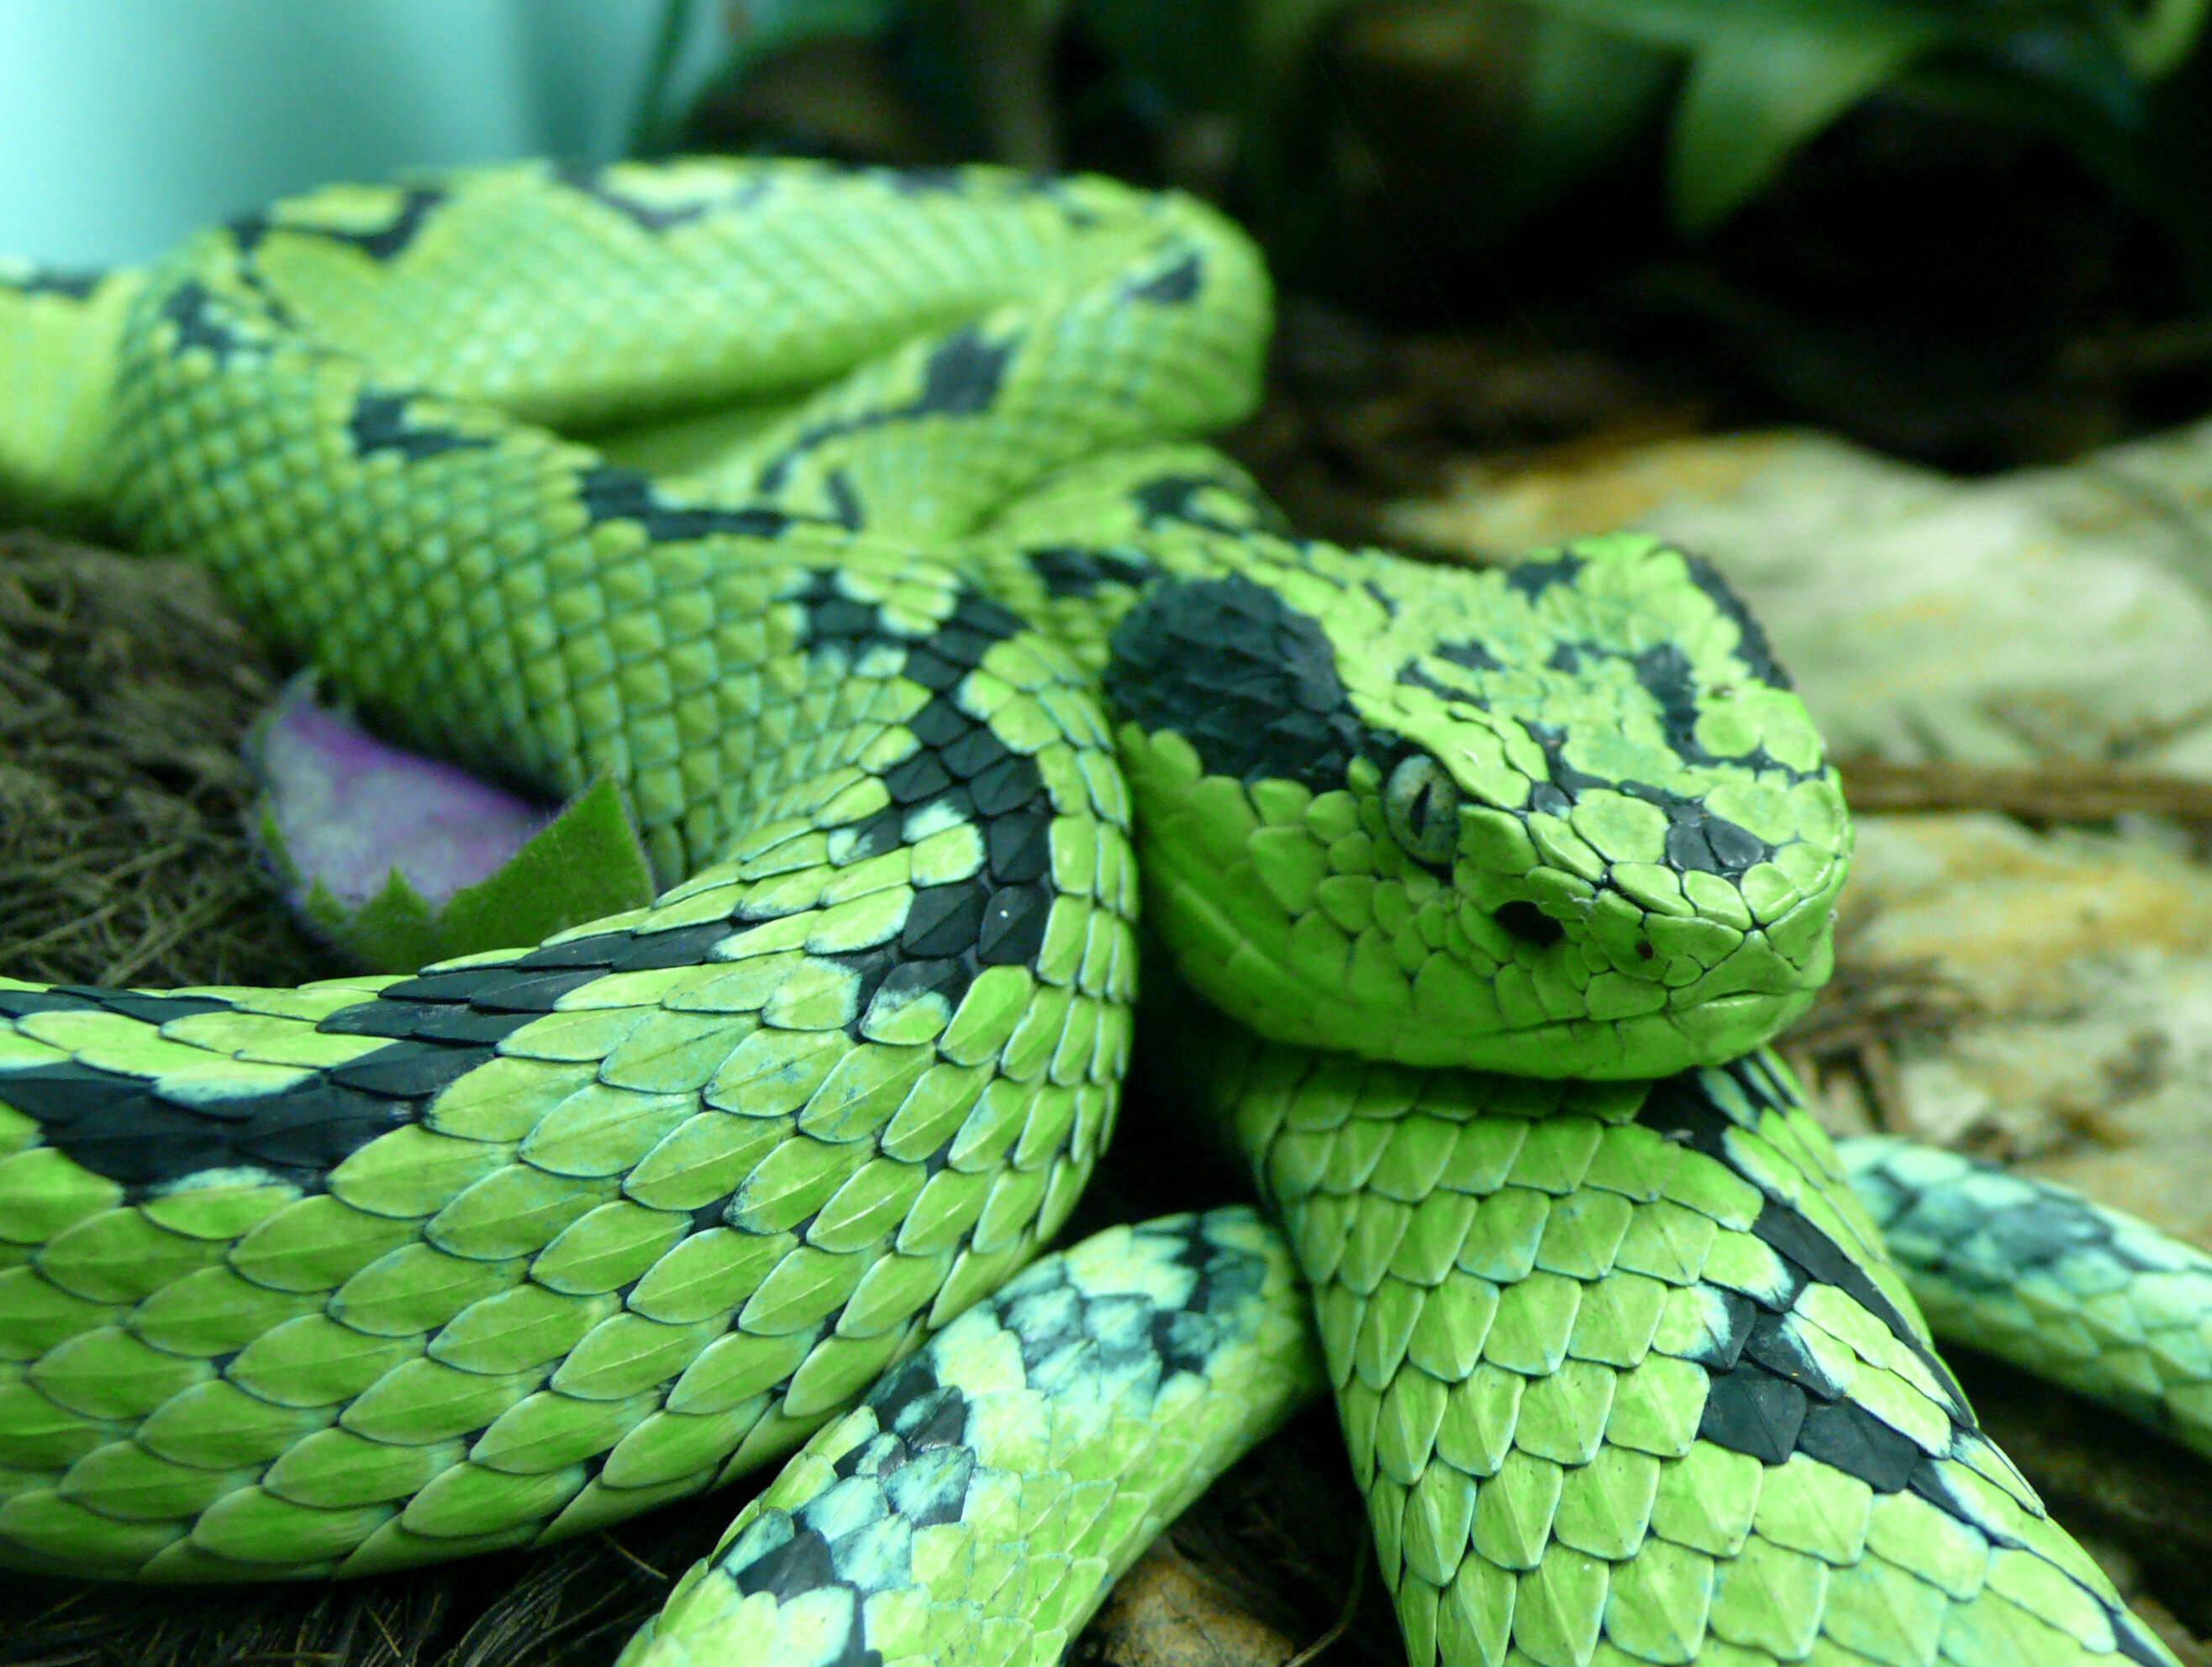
x=1421, y=806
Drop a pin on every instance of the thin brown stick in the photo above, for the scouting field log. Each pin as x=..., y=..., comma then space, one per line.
x=1343, y=1623
x=2067, y=790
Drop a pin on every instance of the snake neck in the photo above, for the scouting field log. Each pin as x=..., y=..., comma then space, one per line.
x=1570, y=821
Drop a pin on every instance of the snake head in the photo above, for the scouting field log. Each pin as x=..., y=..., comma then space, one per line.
x=1563, y=819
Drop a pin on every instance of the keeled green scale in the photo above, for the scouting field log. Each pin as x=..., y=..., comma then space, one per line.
x=1627, y=1377
x=2040, y=1277
x=977, y=1507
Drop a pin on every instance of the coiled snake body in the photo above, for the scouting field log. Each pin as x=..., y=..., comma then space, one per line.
x=893, y=590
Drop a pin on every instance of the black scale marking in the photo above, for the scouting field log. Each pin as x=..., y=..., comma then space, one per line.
x=150, y=1007
x=592, y=182
x=383, y=244
x=110, y=1124
x=998, y=916
x=1777, y=1350
x=1844, y=1436
x=199, y=319
x=1168, y=499
x=1665, y=674
x=2033, y=1235
x=1071, y=571
x=923, y=1412
x=412, y=1070
x=2053, y=1227
x=952, y=180
x=1252, y=684
x=1223, y=1279
x=514, y=988
x=2134, y=1641
x=378, y=423
x=1751, y=646
x=77, y=286
x=442, y=1025
x=916, y=1415
x=1767, y=1396
x=1414, y=674
x=1697, y=838
x=1533, y=579
x=1679, y=1109
x=192, y=309
x=113, y=1123
x=961, y=377
x=1176, y=285
x=2029, y=1237
x=803, y=1563
x=1249, y=681
x=1050, y=1317
x=610, y=493
x=1662, y=669
x=623, y=952
x=1470, y=655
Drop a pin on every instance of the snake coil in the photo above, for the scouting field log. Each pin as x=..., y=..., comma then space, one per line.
x=856, y=524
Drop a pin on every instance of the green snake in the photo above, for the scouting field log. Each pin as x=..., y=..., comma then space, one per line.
x=856, y=524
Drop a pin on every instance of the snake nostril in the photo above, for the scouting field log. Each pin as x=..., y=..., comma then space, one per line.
x=1525, y=921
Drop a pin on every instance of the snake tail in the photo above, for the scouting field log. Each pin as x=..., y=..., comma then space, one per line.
x=1628, y=1378
x=977, y=1507
x=2036, y=1274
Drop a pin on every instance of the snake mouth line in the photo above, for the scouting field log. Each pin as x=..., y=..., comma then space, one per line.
x=1530, y=923
x=1731, y=1026
x=1669, y=1018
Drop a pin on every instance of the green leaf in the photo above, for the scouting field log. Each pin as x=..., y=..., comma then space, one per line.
x=585, y=863
x=1588, y=95
x=1765, y=76
x=2158, y=39
x=1697, y=24
x=1278, y=33
x=1755, y=93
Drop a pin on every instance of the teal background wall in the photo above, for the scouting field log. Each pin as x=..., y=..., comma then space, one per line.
x=125, y=124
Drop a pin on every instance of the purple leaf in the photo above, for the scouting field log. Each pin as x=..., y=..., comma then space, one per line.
x=348, y=811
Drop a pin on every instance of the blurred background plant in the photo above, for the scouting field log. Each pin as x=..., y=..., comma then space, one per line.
x=1552, y=91
x=1979, y=232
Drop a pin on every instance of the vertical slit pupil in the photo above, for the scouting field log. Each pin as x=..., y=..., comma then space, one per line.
x=1420, y=810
